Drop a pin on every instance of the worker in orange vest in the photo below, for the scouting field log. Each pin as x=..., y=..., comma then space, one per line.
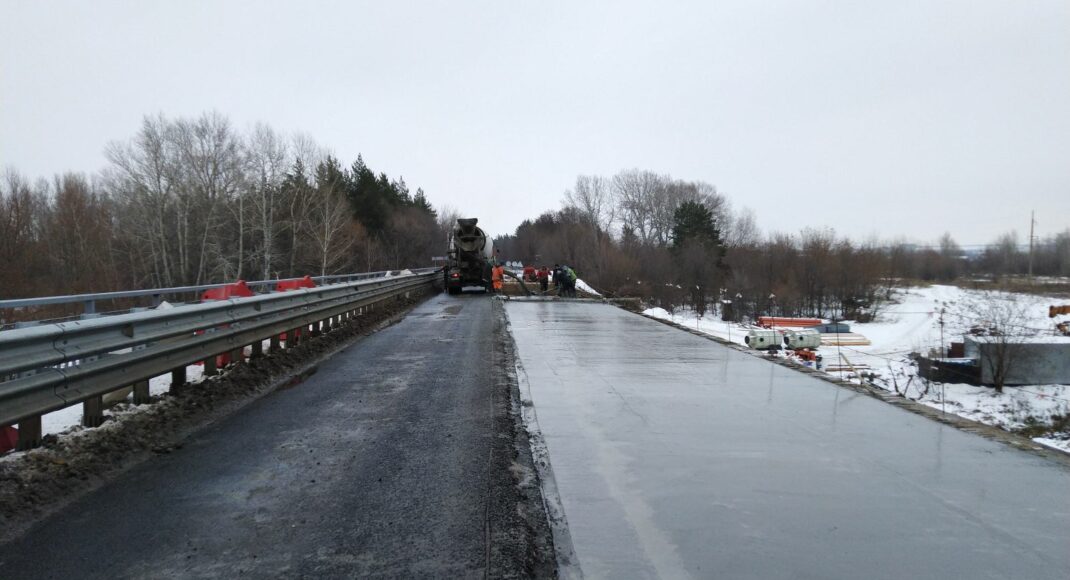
x=497, y=274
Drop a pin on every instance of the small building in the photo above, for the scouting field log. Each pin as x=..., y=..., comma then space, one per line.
x=1040, y=360
x=950, y=370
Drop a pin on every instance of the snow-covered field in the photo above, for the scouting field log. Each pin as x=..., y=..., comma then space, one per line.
x=913, y=324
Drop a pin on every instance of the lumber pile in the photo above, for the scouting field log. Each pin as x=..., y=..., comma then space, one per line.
x=844, y=339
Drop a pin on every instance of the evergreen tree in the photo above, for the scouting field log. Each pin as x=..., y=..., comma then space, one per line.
x=420, y=202
x=367, y=196
x=402, y=192
x=697, y=252
x=694, y=221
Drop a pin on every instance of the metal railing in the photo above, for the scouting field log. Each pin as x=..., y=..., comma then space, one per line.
x=51, y=366
x=90, y=302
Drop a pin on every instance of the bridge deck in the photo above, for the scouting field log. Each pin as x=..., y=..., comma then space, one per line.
x=675, y=457
x=389, y=461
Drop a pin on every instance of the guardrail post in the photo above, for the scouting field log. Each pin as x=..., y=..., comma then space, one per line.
x=274, y=344
x=258, y=350
x=237, y=355
x=210, y=369
x=29, y=433
x=141, y=393
x=178, y=378
x=93, y=411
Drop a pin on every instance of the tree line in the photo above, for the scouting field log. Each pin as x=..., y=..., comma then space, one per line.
x=677, y=242
x=191, y=201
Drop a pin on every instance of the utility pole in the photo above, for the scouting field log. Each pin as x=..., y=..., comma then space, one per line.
x=1032, y=223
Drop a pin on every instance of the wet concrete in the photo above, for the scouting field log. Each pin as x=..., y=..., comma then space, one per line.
x=676, y=457
x=395, y=459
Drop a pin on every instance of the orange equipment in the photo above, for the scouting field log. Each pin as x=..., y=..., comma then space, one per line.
x=771, y=321
x=1054, y=311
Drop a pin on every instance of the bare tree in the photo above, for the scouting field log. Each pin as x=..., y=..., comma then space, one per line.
x=330, y=218
x=636, y=193
x=210, y=163
x=143, y=177
x=593, y=200
x=1000, y=319
x=744, y=230
x=266, y=161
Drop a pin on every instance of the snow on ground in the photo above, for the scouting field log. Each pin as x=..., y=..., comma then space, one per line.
x=66, y=418
x=581, y=285
x=913, y=324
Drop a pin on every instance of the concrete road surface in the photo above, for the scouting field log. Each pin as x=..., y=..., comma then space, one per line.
x=393, y=460
x=675, y=457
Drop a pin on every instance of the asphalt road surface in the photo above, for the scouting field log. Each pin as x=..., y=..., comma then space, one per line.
x=676, y=457
x=392, y=460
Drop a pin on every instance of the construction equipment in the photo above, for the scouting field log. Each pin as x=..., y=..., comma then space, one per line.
x=763, y=339
x=469, y=257
x=797, y=339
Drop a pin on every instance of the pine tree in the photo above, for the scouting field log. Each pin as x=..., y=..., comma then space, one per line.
x=694, y=221
x=697, y=252
x=420, y=202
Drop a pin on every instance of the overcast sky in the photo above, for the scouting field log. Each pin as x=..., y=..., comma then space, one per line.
x=886, y=118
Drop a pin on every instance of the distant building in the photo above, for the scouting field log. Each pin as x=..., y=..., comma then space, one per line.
x=1038, y=360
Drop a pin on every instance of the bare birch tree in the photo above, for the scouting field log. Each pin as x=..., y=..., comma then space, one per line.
x=266, y=162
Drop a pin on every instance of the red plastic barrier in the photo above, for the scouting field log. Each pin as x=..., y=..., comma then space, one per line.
x=294, y=284
x=9, y=438
x=770, y=321
x=236, y=290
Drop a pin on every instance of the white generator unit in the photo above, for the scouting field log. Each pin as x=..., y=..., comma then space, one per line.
x=806, y=338
x=762, y=339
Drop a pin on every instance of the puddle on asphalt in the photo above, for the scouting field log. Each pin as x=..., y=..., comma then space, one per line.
x=453, y=310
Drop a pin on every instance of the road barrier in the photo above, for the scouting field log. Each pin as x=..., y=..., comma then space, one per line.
x=47, y=367
x=154, y=296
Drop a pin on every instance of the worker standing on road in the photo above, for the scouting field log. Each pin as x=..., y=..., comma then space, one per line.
x=568, y=282
x=544, y=278
x=497, y=273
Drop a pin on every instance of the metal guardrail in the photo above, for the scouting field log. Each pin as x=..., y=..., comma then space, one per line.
x=52, y=366
x=89, y=301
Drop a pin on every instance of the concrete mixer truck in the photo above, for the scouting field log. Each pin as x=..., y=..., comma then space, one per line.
x=469, y=257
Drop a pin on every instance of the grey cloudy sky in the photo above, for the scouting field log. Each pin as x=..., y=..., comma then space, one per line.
x=887, y=118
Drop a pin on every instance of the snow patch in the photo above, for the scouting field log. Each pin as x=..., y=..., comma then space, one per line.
x=581, y=285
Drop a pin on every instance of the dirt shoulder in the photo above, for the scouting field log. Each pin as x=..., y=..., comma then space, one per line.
x=520, y=543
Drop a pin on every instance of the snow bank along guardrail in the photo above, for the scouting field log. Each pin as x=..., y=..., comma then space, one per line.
x=47, y=367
